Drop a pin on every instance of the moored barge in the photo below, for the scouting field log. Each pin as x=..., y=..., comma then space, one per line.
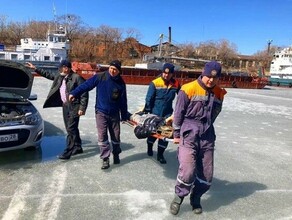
x=137, y=76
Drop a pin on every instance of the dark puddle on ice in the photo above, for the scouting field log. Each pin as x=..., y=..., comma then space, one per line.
x=50, y=147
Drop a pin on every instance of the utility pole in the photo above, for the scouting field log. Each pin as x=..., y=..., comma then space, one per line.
x=269, y=45
x=160, y=45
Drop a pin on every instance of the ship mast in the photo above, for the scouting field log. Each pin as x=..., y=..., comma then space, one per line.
x=55, y=16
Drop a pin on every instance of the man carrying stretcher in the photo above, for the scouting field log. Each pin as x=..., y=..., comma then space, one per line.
x=159, y=102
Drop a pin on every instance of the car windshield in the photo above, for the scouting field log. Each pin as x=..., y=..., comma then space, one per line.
x=10, y=97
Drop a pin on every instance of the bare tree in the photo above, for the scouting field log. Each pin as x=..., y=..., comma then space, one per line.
x=80, y=36
x=83, y=47
x=207, y=50
x=16, y=31
x=266, y=58
x=38, y=29
x=3, y=29
x=133, y=33
x=110, y=38
x=226, y=51
x=73, y=23
x=187, y=50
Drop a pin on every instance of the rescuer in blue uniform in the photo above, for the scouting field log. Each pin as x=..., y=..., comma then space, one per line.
x=160, y=95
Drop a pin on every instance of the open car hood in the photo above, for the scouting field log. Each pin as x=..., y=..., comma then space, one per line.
x=15, y=78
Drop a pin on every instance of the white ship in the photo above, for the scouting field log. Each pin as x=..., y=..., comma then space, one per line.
x=41, y=52
x=281, y=68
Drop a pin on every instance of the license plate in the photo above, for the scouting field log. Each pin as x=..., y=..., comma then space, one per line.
x=8, y=137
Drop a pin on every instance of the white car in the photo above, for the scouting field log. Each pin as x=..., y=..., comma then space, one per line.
x=21, y=125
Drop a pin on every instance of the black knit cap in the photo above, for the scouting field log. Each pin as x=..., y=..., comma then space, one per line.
x=117, y=64
x=168, y=68
x=66, y=63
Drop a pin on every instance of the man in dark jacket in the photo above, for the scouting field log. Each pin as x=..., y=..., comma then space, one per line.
x=110, y=108
x=160, y=95
x=63, y=83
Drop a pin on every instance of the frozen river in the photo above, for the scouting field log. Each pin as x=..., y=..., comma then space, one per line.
x=252, y=177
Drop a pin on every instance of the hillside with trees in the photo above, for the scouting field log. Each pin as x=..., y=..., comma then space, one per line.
x=104, y=43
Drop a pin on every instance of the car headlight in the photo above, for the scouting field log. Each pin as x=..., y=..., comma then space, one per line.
x=32, y=118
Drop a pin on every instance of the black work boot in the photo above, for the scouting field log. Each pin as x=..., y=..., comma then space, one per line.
x=195, y=201
x=66, y=154
x=150, y=149
x=77, y=150
x=116, y=159
x=160, y=156
x=175, y=204
x=105, y=164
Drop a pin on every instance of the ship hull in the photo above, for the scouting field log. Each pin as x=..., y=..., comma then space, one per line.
x=280, y=82
x=138, y=76
x=225, y=81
